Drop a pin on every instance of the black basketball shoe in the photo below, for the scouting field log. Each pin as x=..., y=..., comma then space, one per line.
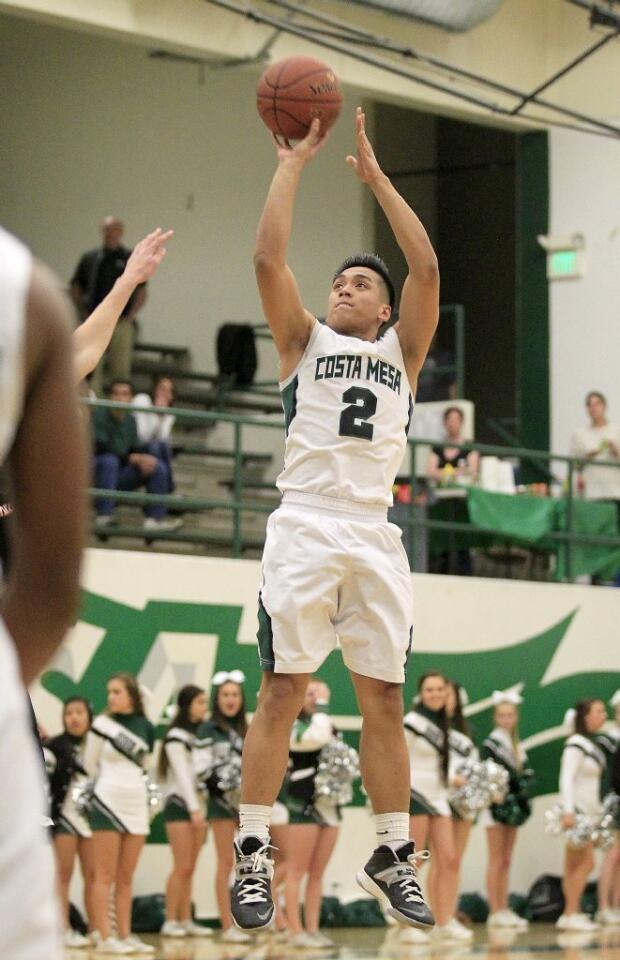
x=391, y=875
x=250, y=898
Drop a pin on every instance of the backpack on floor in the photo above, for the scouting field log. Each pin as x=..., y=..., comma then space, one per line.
x=148, y=913
x=545, y=901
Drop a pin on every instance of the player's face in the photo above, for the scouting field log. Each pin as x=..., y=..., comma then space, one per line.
x=433, y=693
x=76, y=719
x=596, y=716
x=198, y=708
x=356, y=305
x=119, y=700
x=506, y=716
x=229, y=699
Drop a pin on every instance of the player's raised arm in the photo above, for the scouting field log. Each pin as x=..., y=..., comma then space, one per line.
x=91, y=338
x=289, y=322
x=419, y=302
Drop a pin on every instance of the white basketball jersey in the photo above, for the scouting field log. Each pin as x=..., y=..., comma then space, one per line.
x=347, y=409
x=15, y=270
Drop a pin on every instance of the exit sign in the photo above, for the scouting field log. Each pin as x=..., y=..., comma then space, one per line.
x=564, y=264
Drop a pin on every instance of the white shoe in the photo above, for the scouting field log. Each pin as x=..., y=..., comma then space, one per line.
x=608, y=917
x=302, y=941
x=447, y=934
x=137, y=945
x=461, y=931
x=411, y=935
x=74, y=940
x=104, y=520
x=519, y=922
x=165, y=523
x=195, y=929
x=577, y=922
x=321, y=942
x=113, y=947
x=172, y=928
x=234, y=935
x=502, y=918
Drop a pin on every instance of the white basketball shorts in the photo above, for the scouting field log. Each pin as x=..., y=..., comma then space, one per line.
x=334, y=578
x=29, y=913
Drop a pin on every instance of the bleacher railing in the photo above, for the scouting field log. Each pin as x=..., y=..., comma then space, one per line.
x=241, y=502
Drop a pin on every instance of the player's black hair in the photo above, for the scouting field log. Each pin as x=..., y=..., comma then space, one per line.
x=373, y=262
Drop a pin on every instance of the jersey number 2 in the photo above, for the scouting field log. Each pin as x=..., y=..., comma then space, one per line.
x=362, y=405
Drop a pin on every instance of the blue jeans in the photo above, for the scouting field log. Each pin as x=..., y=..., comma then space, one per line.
x=111, y=474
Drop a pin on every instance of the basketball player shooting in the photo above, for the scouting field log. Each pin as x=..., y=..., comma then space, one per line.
x=332, y=564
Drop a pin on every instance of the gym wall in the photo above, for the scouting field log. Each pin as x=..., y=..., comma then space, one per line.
x=173, y=620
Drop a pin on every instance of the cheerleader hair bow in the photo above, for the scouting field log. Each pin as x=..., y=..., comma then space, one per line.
x=224, y=676
x=569, y=718
x=615, y=700
x=506, y=696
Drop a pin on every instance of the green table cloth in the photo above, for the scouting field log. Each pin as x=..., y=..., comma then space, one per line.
x=528, y=521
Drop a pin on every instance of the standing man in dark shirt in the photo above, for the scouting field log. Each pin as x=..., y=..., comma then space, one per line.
x=123, y=463
x=95, y=275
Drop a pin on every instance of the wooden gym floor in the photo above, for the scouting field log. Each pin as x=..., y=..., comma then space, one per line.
x=541, y=942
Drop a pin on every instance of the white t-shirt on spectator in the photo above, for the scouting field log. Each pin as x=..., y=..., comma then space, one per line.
x=151, y=426
x=601, y=483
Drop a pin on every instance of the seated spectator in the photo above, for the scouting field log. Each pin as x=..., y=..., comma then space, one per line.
x=123, y=463
x=449, y=454
x=600, y=440
x=154, y=429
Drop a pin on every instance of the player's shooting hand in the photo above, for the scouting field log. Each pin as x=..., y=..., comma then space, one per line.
x=147, y=256
x=364, y=163
x=304, y=150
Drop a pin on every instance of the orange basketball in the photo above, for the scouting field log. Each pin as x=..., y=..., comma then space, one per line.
x=292, y=92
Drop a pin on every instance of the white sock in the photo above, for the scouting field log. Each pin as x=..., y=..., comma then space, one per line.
x=254, y=821
x=392, y=828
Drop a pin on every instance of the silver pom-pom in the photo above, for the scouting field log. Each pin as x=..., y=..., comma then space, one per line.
x=486, y=782
x=584, y=830
x=82, y=796
x=153, y=796
x=228, y=776
x=337, y=769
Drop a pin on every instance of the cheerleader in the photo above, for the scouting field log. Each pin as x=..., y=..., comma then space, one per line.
x=582, y=766
x=502, y=820
x=184, y=813
x=461, y=747
x=608, y=739
x=225, y=730
x=117, y=747
x=312, y=823
x=71, y=831
x=426, y=733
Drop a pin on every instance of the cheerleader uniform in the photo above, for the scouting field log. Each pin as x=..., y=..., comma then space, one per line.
x=460, y=748
x=609, y=742
x=66, y=773
x=214, y=745
x=180, y=788
x=309, y=735
x=581, y=771
x=117, y=746
x=425, y=738
x=499, y=747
